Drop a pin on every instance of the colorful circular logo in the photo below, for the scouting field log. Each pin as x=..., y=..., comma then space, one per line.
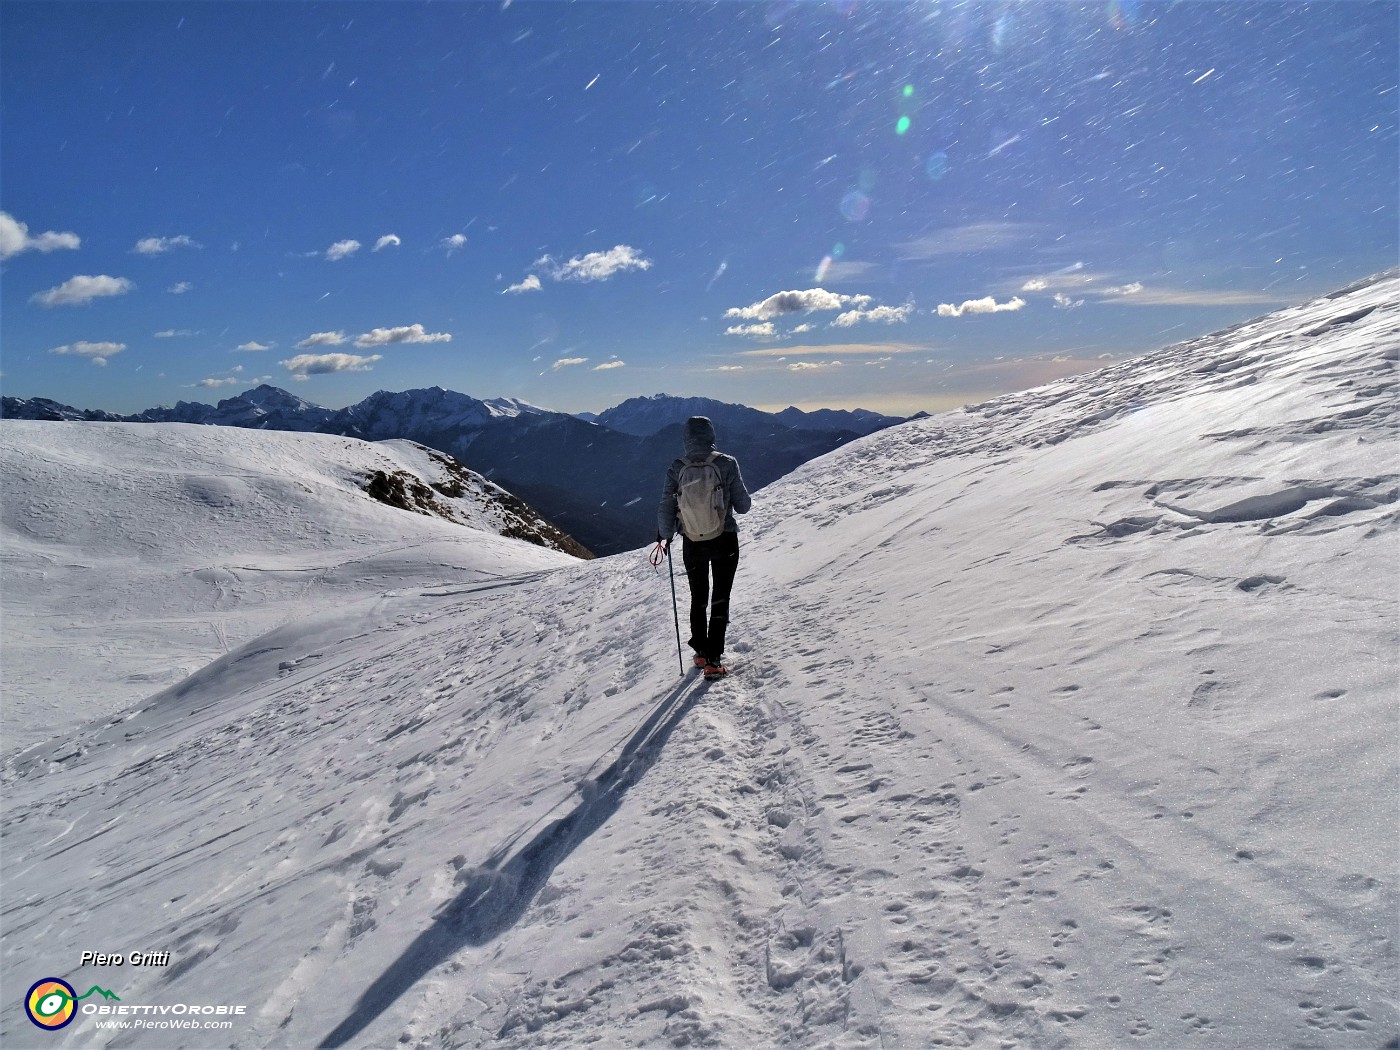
x=51, y=1003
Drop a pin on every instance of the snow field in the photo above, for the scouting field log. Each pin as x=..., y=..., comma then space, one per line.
x=136, y=553
x=1065, y=721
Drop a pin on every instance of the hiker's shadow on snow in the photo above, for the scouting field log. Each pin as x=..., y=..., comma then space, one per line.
x=496, y=893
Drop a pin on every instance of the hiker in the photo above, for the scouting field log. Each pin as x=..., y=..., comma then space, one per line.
x=703, y=491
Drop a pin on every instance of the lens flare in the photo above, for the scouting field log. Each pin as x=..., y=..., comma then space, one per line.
x=855, y=206
x=901, y=126
x=936, y=166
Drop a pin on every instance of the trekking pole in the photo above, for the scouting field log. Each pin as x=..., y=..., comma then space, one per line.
x=675, y=609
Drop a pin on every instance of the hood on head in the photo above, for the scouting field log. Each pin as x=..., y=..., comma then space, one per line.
x=699, y=436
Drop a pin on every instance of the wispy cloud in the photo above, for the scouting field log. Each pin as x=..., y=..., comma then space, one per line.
x=1067, y=278
x=97, y=353
x=304, y=365
x=1154, y=296
x=986, y=305
x=342, y=250
x=843, y=271
x=389, y=240
x=567, y=362
x=530, y=284
x=844, y=349
x=78, y=291
x=322, y=339
x=968, y=240
x=609, y=365
x=595, y=266
x=255, y=347
x=180, y=288
x=814, y=366
x=15, y=238
x=453, y=244
x=1077, y=281
x=413, y=333
x=878, y=314
x=161, y=245
x=175, y=333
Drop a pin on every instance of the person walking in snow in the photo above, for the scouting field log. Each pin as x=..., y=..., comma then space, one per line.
x=704, y=490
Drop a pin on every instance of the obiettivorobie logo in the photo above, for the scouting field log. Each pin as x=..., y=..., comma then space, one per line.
x=52, y=1003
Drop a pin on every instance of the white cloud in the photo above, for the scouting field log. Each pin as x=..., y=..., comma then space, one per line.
x=1126, y=289
x=595, y=266
x=341, y=250
x=180, y=288
x=77, y=291
x=530, y=284
x=255, y=346
x=813, y=366
x=606, y=365
x=226, y=381
x=172, y=333
x=304, y=365
x=565, y=362
x=1064, y=302
x=161, y=245
x=389, y=240
x=15, y=238
x=765, y=330
x=322, y=339
x=1038, y=284
x=413, y=333
x=792, y=302
x=455, y=243
x=802, y=328
x=97, y=353
x=880, y=314
x=728, y=368
x=986, y=305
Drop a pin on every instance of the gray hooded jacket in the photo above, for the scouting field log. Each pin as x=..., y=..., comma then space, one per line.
x=699, y=443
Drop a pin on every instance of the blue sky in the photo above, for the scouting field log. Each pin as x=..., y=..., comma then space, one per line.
x=576, y=203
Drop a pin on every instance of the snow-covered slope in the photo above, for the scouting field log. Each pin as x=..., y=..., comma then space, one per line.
x=1067, y=721
x=135, y=554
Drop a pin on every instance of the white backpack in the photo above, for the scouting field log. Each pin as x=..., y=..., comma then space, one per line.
x=701, y=499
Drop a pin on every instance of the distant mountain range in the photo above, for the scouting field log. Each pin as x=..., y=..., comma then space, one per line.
x=597, y=478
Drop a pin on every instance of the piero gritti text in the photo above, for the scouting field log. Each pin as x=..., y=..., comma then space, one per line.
x=127, y=959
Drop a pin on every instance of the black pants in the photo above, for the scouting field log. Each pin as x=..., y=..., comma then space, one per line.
x=709, y=615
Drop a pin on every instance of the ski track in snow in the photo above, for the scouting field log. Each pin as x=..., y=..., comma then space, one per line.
x=1064, y=721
